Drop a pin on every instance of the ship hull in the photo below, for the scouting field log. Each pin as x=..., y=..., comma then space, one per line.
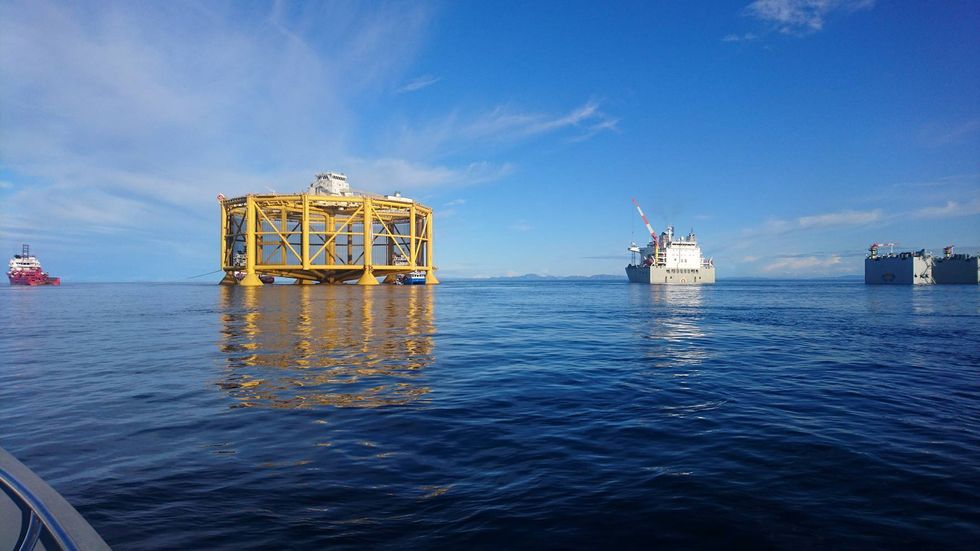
x=33, y=281
x=957, y=270
x=898, y=270
x=411, y=279
x=660, y=275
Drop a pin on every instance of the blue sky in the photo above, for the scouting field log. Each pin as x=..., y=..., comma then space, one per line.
x=789, y=134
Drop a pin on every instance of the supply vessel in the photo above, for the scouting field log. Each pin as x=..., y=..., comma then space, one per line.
x=415, y=277
x=25, y=269
x=668, y=259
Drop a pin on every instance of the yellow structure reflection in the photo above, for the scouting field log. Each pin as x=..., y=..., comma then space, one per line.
x=344, y=346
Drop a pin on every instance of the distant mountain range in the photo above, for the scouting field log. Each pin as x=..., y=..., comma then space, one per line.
x=847, y=277
x=548, y=277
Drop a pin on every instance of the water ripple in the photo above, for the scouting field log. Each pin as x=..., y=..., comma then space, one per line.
x=501, y=414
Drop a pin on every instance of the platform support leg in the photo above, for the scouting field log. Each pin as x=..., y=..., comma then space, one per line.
x=430, y=274
x=250, y=279
x=367, y=278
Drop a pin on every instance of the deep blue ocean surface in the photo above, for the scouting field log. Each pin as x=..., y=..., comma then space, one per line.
x=501, y=414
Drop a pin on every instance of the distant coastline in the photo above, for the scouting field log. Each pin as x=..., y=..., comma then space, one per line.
x=615, y=277
x=522, y=277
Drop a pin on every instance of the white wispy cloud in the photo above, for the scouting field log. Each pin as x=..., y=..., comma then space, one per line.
x=800, y=17
x=386, y=173
x=501, y=127
x=779, y=226
x=952, y=195
x=456, y=202
x=504, y=123
x=940, y=134
x=744, y=37
x=137, y=115
x=521, y=226
x=948, y=210
x=844, y=218
x=943, y=197
x=919, y=214
x=418, y=83
x=812, y=265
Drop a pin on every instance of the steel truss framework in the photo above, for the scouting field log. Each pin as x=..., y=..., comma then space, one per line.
x=321, y=238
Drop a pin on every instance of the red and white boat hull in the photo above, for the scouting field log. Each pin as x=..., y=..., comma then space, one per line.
x=32, y=278
x=26, y=270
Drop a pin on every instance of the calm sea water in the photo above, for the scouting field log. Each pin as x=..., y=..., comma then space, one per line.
x=501, y=414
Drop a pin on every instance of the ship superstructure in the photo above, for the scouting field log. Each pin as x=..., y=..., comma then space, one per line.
x=25, y=269
x=668, y=259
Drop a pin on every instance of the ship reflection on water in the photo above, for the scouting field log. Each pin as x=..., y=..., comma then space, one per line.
x=309, y=346
x=675, y=330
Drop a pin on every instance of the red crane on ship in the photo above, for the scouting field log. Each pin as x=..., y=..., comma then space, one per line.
x=653, y=234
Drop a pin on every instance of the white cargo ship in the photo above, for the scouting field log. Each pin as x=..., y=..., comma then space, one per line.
x=668, y=259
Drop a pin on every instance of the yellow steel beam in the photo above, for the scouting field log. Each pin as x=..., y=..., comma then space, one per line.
x=284, y=238
x=368, y=277
x=236, y=231
x=430, y=276
x=306, y=232
x=388, y=231
x=342, y=226
x=277, y=232
x=421, y=240
x=332, y=249
x=224, y=233
x=289, y=233
x=377, y=267
x=411, y=236
x=229, y=278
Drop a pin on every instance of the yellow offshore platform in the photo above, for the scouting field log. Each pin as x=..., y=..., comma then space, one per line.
x=319, y=236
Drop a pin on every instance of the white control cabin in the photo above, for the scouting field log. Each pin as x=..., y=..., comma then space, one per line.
x=330, y=183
